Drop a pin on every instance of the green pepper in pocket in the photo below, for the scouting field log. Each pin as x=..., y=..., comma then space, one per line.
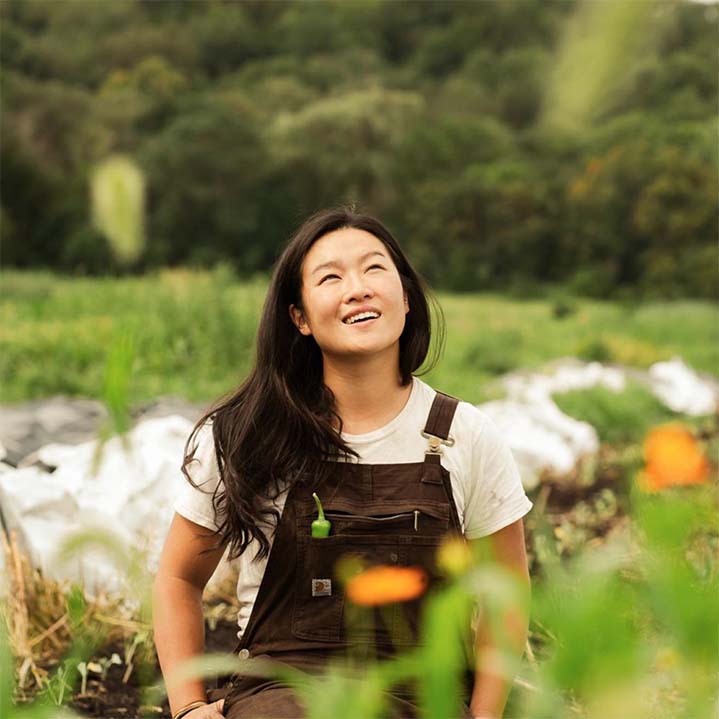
x=321, y=526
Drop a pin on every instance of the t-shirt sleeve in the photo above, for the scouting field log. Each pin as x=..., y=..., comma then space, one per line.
x=496, y=497
x=195, y=503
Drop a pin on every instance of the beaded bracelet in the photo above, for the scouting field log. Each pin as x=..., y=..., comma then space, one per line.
x=186, y=710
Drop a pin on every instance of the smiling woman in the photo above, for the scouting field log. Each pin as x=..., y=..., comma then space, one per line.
x=333, y=416
x=356, y=314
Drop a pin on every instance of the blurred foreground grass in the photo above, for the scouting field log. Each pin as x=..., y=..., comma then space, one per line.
x=193, y=334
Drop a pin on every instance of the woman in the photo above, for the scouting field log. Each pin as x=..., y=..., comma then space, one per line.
x=331, y=407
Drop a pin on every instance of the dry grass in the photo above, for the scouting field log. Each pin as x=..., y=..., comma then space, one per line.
x=38, y=624
x=35, y=614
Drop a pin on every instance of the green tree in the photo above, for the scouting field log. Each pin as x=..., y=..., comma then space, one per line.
x=226, y=38
x=632, y=208
x=494, y=219
x=313, y=146
x=205, y=171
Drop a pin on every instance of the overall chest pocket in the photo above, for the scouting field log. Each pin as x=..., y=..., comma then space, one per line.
x=401, y=534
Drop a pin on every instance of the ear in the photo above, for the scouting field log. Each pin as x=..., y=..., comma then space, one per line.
x=406, y=302
x=299, y=321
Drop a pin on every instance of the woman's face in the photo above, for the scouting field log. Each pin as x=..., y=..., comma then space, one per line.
x=346, y=273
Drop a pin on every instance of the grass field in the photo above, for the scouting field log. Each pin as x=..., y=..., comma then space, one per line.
x=193, y=334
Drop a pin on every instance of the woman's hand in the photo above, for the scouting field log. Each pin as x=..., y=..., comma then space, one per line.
x=209, y=711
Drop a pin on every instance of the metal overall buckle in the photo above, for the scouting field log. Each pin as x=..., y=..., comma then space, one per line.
x=435, y=442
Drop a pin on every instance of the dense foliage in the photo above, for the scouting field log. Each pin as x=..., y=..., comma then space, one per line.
x=246, y=116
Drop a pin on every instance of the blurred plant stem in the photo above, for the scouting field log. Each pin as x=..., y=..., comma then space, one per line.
x=118, y=205
x=116, y=391
x=600, y=41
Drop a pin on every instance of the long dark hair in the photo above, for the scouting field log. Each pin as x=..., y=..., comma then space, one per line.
x=277, y=427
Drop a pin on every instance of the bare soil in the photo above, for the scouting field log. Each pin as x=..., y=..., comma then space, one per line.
x=111, y=699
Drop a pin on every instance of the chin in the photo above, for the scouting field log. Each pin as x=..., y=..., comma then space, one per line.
x=373, y=347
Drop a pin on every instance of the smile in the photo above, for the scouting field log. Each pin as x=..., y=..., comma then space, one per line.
x=365, y=318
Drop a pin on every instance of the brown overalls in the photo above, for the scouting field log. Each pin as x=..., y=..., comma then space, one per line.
x=390, y=514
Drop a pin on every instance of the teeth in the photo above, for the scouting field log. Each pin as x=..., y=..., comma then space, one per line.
x=361, y=316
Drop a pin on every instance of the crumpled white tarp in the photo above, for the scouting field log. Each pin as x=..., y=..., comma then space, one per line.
x=133, y=491
x=131, y=496
x=540, y=434
x=679, y=388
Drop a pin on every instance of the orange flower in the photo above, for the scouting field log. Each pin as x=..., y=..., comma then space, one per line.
x=384, y=585
x=673, y=458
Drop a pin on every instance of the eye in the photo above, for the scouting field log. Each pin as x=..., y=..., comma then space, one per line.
x=327, y=277
x=371, y=267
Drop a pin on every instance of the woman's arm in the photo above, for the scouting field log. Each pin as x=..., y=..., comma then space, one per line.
x=178, y=624
x=491, y=687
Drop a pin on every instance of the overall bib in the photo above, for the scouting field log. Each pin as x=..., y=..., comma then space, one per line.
x=389, y=514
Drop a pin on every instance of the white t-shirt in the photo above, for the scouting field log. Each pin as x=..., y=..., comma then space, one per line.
x=486, y=486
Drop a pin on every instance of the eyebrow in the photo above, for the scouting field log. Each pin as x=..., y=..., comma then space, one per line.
x=337, y=264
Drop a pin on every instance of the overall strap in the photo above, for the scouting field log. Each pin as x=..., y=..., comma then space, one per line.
x=436, y=431
x=440, y=417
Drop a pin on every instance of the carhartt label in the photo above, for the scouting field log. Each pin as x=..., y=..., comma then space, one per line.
x=321, y=587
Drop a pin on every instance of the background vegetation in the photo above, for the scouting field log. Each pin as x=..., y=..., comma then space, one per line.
x=241, y=116
x=550, y=168
x=193, y=335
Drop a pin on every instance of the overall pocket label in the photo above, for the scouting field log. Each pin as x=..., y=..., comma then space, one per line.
x=321, y=587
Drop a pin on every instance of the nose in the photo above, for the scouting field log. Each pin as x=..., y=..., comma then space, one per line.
x=358, y=288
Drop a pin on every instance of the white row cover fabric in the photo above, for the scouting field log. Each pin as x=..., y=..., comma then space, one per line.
x=680, y=389
x=130, y=497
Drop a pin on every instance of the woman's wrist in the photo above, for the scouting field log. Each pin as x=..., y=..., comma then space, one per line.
x=188, y=708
